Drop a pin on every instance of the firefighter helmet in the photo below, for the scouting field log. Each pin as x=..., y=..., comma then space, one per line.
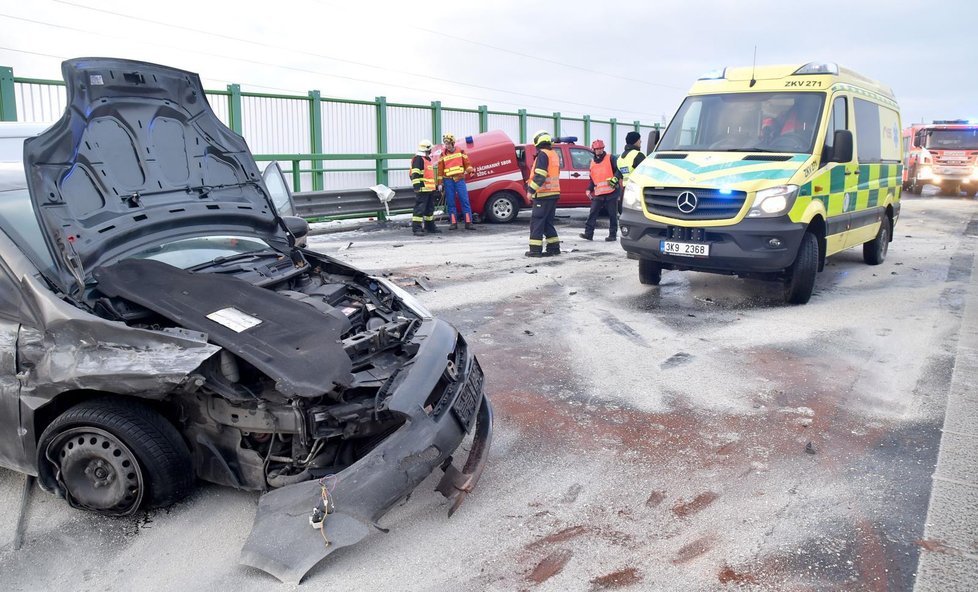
x=542, y=137
x=424, y=145
x=448, y=138
x=597, y=145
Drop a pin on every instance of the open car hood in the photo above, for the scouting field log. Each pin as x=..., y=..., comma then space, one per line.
x=139, y=158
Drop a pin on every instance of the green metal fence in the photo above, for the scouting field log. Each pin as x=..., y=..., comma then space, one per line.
x=331, y=127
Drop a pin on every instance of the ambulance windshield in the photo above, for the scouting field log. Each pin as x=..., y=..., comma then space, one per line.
x=746, y=122
x=953, y=139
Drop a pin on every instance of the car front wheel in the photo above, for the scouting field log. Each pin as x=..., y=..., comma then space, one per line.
x=501, y=208
x=801, y=275
x=115, y=456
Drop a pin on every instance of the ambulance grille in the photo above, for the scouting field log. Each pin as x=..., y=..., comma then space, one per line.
x=711, y=204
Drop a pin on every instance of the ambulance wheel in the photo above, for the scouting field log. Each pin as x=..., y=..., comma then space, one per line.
x=915, y=187
x=800, y=284
x=501, y=207
x=874, y=251
x=649, y=272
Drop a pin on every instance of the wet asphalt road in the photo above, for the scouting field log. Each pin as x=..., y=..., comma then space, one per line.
x=699, y=435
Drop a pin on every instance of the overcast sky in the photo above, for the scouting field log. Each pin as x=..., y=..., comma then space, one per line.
x=633, y=60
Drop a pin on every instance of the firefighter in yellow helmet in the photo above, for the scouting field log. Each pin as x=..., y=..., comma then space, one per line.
x=453, y=167
x=544, y=189
x=423, y=182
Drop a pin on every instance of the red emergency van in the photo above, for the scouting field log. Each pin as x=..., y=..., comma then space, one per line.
x=497, y=189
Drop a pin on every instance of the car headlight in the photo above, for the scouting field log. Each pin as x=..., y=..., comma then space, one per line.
x=632, y=197
x=925, y=173
x=407, y=299
x=774, y=201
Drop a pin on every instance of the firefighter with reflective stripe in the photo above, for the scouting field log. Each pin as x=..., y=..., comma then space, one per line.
x=544, y=189
x=631, y=157
x=453, y=166
x=423, y=183
x=603, y=191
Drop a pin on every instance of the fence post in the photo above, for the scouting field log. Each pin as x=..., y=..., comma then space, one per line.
x=435, y=122
x=522, y=115
x=587, y=130
x=316, y=138
x=234, y=107
x=483, y=119
x=381, y=147
x=8, y=99
x=556, y=124
x=638, y=126
x=614, y=132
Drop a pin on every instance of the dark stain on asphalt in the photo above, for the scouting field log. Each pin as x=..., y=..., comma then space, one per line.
x=560, y=536
x=617, y=579
x=623, y=329
x=677, y=359
x=685, y=509
x=655, y=498
x=691, y=551
x=550, y=566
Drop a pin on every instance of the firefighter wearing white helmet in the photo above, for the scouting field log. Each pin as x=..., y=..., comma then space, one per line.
x=453, y=167
x=423, y=182
x=544, y=189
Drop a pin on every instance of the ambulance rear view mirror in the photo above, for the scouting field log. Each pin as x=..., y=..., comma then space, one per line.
x=653, y=140
x=841, y=146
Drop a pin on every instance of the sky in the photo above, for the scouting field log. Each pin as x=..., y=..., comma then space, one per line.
x=633, y=61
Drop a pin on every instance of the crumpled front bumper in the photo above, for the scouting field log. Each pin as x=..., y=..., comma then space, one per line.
x=282, y=541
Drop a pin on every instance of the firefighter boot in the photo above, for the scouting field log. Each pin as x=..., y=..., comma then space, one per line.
x=586, y=236
x=417, y=229
x=610, y=238
x=454, y=220
x=468, y=222
x=430, y=228
x=535, y=251
x=552, y=250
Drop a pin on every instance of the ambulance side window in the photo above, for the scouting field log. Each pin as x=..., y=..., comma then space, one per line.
x=868, y=131
x=581, y=158
x=838, y=120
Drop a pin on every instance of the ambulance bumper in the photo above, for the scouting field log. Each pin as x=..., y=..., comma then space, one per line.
x=753, y=246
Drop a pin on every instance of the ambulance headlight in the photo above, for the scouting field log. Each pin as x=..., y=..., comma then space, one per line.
x=774, y=201
x=632, y=197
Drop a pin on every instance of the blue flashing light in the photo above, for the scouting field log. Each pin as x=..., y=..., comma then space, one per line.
x=726, y=191
x=469, y=140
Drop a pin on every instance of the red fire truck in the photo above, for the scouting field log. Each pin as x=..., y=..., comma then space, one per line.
x=497, y=189
x=943, y=153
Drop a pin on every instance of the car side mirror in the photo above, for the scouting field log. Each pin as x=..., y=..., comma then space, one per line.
x=652, y=141
x=842, y=146
x=297, y=226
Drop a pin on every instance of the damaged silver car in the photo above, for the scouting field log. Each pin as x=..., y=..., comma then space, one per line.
x=160, y=325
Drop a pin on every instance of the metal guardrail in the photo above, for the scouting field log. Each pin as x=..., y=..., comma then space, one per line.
x=351, y=203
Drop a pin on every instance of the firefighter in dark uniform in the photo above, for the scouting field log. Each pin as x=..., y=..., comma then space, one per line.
x=603, y=192
x=423, y=182
x=544, y=189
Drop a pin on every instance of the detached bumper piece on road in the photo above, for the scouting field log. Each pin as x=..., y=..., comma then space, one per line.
x=283, y=541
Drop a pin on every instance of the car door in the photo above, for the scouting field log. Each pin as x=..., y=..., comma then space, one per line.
x=11, y=448
x=575, y=176
x=278, y=189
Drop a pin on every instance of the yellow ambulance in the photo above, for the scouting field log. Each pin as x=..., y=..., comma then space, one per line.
x=764, y=172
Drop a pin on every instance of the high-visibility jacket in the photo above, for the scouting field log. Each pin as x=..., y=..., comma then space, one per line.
x=422, y=173
x=601, y=176
x=453, y=165
x=545, y=181
x=626, y=163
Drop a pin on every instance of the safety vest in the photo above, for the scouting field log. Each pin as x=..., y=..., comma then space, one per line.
x=454, y=163
x=427, y=178
x=551, y=186
x=601, y=175
x=625, y=164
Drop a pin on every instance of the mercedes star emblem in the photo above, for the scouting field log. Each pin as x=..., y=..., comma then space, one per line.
x=686, y=202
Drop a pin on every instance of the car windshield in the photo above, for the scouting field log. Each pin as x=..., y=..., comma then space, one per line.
x=746, y=122
x=17, y=218
x=953, y=139
x=191, y=252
